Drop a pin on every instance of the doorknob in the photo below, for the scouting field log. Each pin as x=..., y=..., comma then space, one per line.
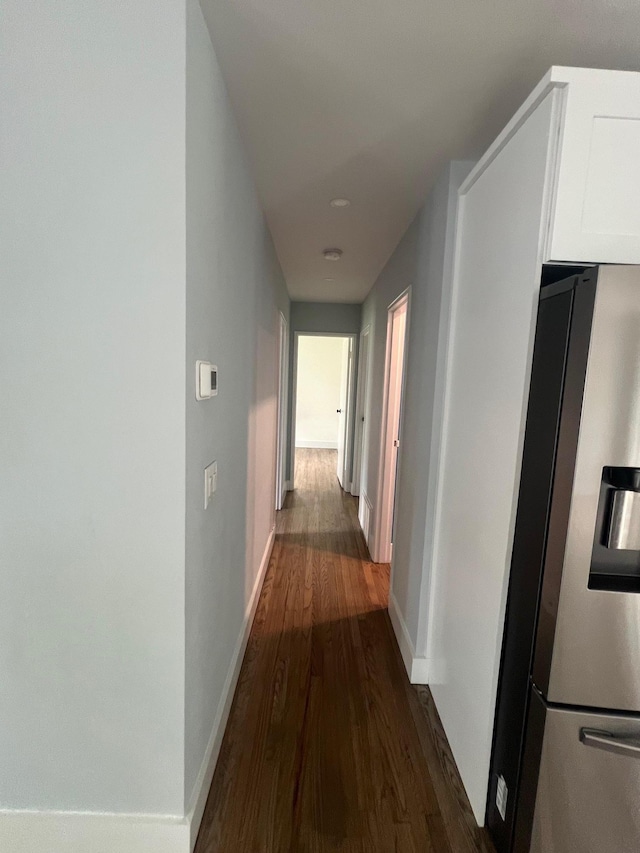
x=339, y=411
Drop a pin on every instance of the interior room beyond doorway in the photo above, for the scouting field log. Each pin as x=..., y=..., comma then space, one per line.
x=323, y=389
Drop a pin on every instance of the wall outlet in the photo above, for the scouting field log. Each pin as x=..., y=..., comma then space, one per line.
x=210, y=482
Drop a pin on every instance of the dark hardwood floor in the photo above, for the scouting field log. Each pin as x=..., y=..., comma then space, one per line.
x=328, y=747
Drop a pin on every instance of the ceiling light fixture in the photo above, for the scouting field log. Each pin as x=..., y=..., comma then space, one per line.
x=332, y=254
x=329, y=279
x=339, y=202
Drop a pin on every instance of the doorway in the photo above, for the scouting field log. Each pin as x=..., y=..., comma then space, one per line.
x=283, y=360
x=390, y=442
x=323, y=398
x=362, y=406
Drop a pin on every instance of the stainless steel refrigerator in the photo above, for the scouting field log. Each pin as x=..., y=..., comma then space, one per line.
x=565, y=769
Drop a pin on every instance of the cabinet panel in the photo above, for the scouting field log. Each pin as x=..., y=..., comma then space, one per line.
x=502, y=208
x=597, y=211
x=613, y=180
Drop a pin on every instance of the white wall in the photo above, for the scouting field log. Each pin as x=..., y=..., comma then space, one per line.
x=319, y=373
x=92, y=386
x=424, y=405
x=234, y=292
x=423, y=261
x=497, y=281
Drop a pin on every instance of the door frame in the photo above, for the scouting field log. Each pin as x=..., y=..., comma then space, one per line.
x=281, y=430
x=350, y=402
x=362, y=403
x=387, y=481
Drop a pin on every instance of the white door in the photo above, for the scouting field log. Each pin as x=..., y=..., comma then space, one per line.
x=343, y=413
x=282, y=414
x=395, y=402
x=396, y=342
x=361, y=407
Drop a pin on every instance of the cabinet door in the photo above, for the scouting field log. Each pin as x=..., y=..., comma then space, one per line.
x=596, y=216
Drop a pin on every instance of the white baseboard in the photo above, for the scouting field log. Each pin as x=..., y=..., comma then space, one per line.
x=203, y=782
x=417, y=667
x=288, y=485
x=322, y=445
x=80, y=832
x=364, y=517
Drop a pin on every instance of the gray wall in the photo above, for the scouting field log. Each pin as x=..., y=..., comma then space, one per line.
x=422, y=260
x=92, y=381
x=331, y=317
x=234, y=292
x=133, y=246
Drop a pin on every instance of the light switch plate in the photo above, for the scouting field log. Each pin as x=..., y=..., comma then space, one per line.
x=210, y=482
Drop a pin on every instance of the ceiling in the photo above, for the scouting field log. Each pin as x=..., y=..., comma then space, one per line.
x=368, y=99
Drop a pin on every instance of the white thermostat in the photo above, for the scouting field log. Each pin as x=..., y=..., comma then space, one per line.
x=206, y=380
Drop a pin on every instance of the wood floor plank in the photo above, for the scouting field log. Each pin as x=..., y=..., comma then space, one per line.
x=328, y=748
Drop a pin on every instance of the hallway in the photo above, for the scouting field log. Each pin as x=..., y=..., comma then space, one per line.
x=328, y=747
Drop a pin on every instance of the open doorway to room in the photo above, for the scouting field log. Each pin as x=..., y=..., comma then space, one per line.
x=323, y=400
x=390, y=443
x=362, y=406
x=281, y=441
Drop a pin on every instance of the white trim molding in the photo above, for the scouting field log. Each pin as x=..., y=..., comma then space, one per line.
x=364, y=517
x=322, y=445
x=79, y=832
x=417, y=667
x=351, y=381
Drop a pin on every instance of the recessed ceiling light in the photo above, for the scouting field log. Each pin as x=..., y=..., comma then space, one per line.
x=339, y=202
x=332, y=254
x=329, y=279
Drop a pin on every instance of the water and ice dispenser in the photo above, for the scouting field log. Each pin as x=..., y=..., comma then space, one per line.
x=615, y=559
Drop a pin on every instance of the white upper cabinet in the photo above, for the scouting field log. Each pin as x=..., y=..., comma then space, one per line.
x=594, y=215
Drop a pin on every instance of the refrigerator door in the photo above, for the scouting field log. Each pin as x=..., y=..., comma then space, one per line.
x=591, y=655
x=588, y=796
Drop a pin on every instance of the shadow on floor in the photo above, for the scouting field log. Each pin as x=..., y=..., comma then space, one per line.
x=339, y=542
x=328, y=747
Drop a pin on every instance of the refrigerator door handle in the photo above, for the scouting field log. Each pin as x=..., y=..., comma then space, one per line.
x=610, y=743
